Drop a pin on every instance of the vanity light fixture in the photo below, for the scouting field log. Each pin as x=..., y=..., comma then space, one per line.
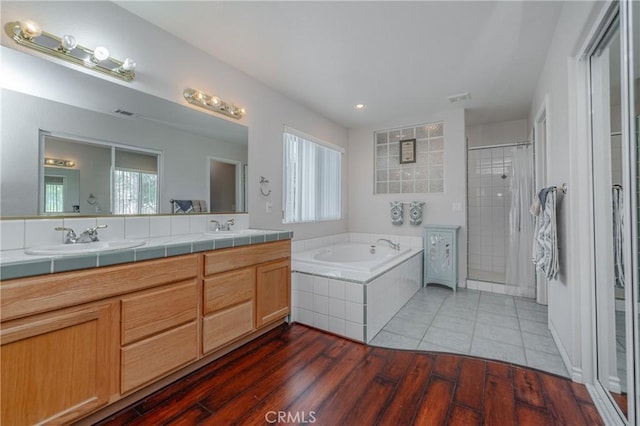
x=28, y=33
x=213, y=103
x=58, y=162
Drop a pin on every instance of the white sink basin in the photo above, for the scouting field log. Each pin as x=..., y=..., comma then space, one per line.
x=81, y=248
x=222, y=234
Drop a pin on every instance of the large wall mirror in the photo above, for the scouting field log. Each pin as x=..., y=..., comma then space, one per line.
x=131, y=152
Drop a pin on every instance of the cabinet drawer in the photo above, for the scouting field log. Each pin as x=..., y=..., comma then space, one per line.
x=226, y=325
x=228, y=289
x=149, y=359
x=234, y=258
x=152, y=312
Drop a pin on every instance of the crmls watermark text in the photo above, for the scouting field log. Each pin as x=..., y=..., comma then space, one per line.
x=290, y=417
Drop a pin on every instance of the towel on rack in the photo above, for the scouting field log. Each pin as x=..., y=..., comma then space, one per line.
x=545, y=238
x=618, y=232
x=182, y=206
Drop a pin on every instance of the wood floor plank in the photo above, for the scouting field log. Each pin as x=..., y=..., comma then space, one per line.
x=409, y=392
x=261, y=387
x=499, y=403
x=300, y=372
x=470, y=388
x=434, y=407
x=499, y=369
x=530, y=416
x=527, y=387
x=447, y=366
x=463, y=416
x=561, y=405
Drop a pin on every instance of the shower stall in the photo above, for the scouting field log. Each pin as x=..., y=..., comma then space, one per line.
x=500, y=227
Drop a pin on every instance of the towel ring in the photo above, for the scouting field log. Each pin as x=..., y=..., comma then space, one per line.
x=263, y=182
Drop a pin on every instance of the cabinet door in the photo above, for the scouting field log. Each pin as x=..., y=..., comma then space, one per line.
x=440, y=256
x=57, y=367
x=273, y=291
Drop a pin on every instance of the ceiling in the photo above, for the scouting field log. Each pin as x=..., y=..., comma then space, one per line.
x=399, y=58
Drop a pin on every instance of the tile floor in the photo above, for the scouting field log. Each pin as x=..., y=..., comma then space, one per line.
x=476, y=323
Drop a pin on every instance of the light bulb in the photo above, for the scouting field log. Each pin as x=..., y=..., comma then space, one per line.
x=243, y=111
x=360, y=106
x=30, y=29
x=215, y=100
x=68, y=42
x=100, y=54
x=128, y=64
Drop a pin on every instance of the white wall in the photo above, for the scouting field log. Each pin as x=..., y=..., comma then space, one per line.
x=499, y=133
x=167, y=65
x=566, y=163
x=369, y=213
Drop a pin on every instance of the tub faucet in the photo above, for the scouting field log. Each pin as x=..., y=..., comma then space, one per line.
x=220, y=227
x=395, y=246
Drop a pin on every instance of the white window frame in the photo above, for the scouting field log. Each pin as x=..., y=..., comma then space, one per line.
x=285, y=192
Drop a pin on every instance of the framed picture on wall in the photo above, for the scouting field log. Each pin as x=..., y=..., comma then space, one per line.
x=407, y=151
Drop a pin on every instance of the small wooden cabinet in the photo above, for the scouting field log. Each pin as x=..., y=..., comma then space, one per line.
x=58, y=366
x=441, y=255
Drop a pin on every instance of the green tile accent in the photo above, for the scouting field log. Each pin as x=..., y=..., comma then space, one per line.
x=115, y=257
x=257, y=239
x=224, y=243
x=72, y=263
x=203, y=246
x=177, y=249
x=241, y=241
x=148, y=253
x=284, y=235
x=271, y=237
x=25, y=269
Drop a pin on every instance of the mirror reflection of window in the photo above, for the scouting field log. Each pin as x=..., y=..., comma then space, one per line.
x=135, y=183
x=53, y=194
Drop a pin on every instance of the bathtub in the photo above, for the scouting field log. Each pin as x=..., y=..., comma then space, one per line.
x=353, y=256
x=353, y=288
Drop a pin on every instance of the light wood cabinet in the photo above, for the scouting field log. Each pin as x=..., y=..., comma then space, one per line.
x=244, y=289
x=273, y=291
x=75, y=342
x=59, y=366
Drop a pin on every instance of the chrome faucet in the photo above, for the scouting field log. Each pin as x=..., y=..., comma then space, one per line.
x=89, y=235
x=395, y=246
x=70, y=237
x=220, y=227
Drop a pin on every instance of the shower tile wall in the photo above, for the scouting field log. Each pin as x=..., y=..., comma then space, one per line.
x=489, y=179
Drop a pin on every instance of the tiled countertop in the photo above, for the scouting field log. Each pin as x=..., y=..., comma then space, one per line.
x=17, y=264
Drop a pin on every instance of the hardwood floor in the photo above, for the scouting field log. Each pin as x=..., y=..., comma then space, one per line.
x=295, y=374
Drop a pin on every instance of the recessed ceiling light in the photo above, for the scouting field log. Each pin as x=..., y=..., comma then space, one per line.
x=359, y=106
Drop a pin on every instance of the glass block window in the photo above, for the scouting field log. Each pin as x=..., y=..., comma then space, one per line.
x=424, y=175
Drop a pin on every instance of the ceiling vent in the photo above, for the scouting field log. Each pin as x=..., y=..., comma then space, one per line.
x=459, y=97
x=123, y=112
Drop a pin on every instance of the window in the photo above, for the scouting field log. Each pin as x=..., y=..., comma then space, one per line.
x=312, y=179
x=54, y=194
x=135, y=192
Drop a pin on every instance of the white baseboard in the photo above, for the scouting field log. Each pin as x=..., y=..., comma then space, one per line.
x=575, y=372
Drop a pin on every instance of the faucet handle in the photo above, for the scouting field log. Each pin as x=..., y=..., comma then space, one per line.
x=231, y=222
x=70, y=238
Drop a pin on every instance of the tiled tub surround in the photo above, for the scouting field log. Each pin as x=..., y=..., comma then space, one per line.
x=349, y=302
x=164, y=236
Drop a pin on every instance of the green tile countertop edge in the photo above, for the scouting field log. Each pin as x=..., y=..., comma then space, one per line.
x=23, y=268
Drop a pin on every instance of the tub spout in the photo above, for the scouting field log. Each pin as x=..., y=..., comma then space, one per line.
x=395, y=246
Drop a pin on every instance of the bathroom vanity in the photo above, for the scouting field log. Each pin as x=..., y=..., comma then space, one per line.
x=76, y=342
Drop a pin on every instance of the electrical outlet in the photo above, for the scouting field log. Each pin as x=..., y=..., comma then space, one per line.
x=269, y=206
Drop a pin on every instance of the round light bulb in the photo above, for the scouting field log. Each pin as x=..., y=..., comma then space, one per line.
x=30, y=29
x=100, y=54
x=243, y=111
x=360, y=106
x=68, y=42
x=215, y=100
x=129, y=64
